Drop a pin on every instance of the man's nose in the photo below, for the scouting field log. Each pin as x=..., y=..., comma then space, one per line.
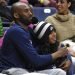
x=30, y=13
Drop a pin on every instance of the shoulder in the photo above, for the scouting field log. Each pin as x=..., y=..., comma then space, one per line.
x=15, y=29
x=50, y=18
x=72, y=16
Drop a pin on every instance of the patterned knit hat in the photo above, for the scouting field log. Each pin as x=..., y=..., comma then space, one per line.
x=42, y=30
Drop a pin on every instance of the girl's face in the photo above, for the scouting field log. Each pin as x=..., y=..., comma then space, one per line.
x=52, y=37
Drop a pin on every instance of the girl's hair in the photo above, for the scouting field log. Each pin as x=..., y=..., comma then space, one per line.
x=69, y=1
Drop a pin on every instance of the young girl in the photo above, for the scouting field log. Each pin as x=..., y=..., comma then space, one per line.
x=46, y=42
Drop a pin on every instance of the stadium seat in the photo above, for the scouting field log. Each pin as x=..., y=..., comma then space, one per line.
x=42, y=12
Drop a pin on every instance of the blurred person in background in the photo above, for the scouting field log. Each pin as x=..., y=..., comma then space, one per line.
x=10, y=2
x=48, y=3
x=24, y=1
x=72, y=8
x=42, y=3
x=5, y=12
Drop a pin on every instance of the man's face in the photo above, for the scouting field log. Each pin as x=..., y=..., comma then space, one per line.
x=24, y=14
x=62, y=6
x=52, y=37
x=3, y=2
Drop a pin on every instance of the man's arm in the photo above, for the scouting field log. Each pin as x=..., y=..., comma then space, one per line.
x=22, y=41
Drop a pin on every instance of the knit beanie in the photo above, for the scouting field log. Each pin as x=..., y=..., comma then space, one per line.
x=42, y=30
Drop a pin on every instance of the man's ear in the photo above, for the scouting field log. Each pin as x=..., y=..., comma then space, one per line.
x=16, y=15
x=69, y=4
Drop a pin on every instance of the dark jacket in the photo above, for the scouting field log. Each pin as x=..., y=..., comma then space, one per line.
x=18, y=51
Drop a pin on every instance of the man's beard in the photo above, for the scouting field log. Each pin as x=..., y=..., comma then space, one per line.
x=24, y=21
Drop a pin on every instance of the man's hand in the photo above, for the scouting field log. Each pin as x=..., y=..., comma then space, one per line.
x=60, y=53
x=65, y=65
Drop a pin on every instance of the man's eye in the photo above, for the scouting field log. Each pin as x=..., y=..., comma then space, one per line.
x=26, y=10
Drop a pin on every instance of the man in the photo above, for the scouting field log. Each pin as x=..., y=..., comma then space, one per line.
x=63, y=20
x=17, y=49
